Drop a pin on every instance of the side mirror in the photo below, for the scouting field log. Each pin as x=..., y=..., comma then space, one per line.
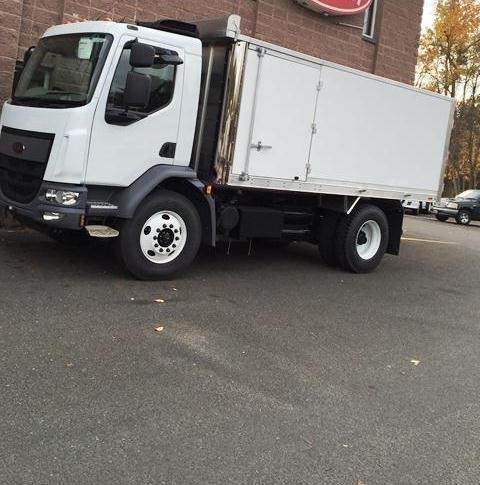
x=170, y=59
x=27, y=54
x=142, y=55
x=137, y=90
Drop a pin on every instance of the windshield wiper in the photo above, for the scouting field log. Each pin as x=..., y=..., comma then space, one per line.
x=45, y=103
x=62, y=93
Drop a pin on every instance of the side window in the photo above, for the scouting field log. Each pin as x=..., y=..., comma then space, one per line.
x=163, y=83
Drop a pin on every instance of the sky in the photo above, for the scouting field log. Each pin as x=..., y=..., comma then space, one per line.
x=428, y=13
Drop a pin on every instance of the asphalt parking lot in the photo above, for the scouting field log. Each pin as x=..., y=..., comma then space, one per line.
x=270, y=368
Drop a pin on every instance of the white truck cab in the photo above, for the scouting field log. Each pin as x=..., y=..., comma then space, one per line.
x=69, y=104
x=167, y=134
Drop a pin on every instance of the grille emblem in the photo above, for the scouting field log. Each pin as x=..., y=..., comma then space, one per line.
x=18, y=147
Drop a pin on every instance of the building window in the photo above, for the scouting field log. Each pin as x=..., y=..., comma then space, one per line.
x=369, y=21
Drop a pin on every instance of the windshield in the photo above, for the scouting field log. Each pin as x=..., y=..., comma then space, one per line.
x=62, y=70
x=469, y=194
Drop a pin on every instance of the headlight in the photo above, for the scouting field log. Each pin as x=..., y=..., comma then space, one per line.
x=63, y=197
x=452, y=205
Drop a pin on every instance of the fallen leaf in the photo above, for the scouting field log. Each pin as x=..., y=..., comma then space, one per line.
x=68, y=364
x=159, y=329
x=345, y=446
x=174, y=289
x=159, y=300
x=361, y=482
x=415, y=362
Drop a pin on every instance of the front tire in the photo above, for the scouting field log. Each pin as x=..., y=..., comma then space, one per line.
x=362, y=239
x=162, y=238
x=463, y=218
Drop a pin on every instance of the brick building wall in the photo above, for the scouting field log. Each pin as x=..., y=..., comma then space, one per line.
x=283, y=22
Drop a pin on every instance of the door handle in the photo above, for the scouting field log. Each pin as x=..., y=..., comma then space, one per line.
x=259, y=146
x=168, y=150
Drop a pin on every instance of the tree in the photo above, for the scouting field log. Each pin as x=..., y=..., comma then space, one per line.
x=449, y=64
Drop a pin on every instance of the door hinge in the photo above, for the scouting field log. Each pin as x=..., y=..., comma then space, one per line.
x=261, y=51
x=319, y=85
x=260, y=146
x=314, y=128
x=309, y=169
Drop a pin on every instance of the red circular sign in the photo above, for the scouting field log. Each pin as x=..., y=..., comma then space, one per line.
x=337, y=7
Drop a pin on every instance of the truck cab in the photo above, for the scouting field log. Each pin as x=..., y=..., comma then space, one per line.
x=66, y=137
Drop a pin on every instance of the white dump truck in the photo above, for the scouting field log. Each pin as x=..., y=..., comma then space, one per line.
x=168, y=134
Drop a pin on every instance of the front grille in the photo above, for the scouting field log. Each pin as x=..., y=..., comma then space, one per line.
x=20, y=180
x=23, y=159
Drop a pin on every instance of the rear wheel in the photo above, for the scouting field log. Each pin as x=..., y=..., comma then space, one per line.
x=463, y=218
x=162, y=238
x=441, y=217
x=362, y=239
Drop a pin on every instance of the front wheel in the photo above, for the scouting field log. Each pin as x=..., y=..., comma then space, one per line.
x=463, y=218
x=362, y=239
x=162, y=238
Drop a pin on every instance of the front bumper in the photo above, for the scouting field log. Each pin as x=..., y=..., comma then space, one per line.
x=444, y=211
x=43, y=212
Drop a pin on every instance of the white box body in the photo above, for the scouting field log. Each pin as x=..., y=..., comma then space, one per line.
x=313, y=126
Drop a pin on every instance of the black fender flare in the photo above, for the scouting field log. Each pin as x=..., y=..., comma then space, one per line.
x=128, y=199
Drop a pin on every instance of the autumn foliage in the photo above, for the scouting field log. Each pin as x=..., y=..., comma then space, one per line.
x=449, y=64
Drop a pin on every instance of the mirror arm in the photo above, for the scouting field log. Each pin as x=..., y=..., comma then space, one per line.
x=115, y=116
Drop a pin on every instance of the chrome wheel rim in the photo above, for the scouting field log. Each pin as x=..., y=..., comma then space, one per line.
x=163, y=237
x=369, y=238
x=464, y=218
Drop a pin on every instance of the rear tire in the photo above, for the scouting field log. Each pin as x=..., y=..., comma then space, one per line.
x=441, y=217
x=463, y=218
x=362, y=239
x=162, y=238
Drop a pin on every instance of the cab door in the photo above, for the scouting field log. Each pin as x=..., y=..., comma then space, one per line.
x=122, y=152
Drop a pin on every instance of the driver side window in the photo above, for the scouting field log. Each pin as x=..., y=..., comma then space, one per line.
x=163, y=84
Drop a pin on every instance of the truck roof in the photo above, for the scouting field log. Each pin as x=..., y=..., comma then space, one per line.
x=190, y=44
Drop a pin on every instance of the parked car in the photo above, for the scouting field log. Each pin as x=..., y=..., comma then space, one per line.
x=412, y=205
x=416, y=206
x=464, y=208
x=425, y=207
